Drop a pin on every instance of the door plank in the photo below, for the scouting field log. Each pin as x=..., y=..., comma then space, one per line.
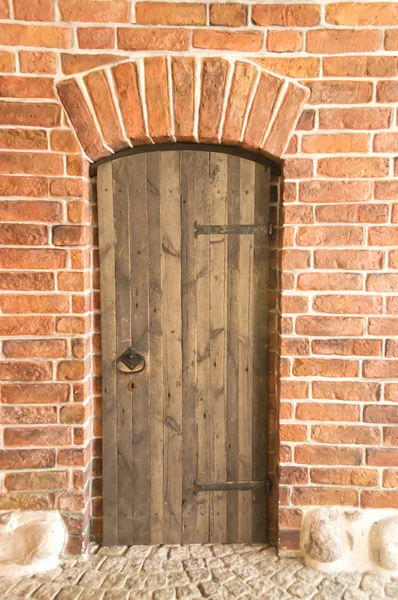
x=156, y=382
x=121, y=200
x=171, y=267
x=108, y=336
x=217, y=259
x=189, y=323
x=203, y=407
x=140, y=339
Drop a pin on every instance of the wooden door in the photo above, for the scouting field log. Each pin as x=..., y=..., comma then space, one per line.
x=184, y=281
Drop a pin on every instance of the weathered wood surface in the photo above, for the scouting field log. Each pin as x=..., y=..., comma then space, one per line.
x=196, y=308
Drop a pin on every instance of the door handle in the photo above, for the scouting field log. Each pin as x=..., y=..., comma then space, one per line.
x=130, y=362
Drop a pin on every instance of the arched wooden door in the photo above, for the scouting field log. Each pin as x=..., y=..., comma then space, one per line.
x=184, y=284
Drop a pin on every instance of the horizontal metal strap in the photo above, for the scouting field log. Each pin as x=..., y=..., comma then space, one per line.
x=232, y=229
x=227, y=486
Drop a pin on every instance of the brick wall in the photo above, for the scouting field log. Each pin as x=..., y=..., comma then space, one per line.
x=338, y=246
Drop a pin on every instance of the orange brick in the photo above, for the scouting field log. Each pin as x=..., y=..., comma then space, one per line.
x=329, y=281
x=126, y=82
x=241, y=41
x=315, y=367
x=157, y=97
x=108, y=11
x=242, y=81
x=23, y=139
x=327, y=455
x=349, y=259
x=23, y=235
x=381, y=368
x=26, y=281
x=376, y=499
x=353, y=391
x=311, y=411
x=351, y=477
x=335, y=143
x=214, y=75
x=352, y=213
x=334, y=191
x=391, y=39
x=37, y=62
x=77, y=63
x=382, y=457
x=7, y=62
x=338, y=304
x=62, y=140
x=320, y=325
x=183, y=75
x=346, y=434
x=300, y=67
x=228, y=15
x=170, y=13
x=360, y=66
x=152, y=39
x=339, y=92
x=37, y=258
x=353, y=167
x=329, y=236
x=284, y=40
x=348, y=347
x=287, y=15
x=34, y=303
x=32, y=436
x=95, y=38
x=362, y=13
x=340, y=41
x=31, y=114
x=34, y=348
x=36, y=10
x=15, y=34
x=25, y=371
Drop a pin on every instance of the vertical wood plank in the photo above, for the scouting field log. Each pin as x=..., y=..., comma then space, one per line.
x=121, y=200
x=189, y=324
x=218, y=510
x=108, y=324
x=232, y=389
x=140, y=340
x=156, y=384
x=172, y=358
x=260, y=351
x=245, y=328
x=203, y=407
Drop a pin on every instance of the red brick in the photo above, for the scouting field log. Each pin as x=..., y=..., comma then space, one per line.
x=34, y=393
x=34, y=348
x=261, y=110
x=170, y=13
x=71, y=370
x=157, y=98
x=294, y=304
x=66, y=187
x=385, y=142
x=360, y=66
x=391, y=345
x=80, y=116
x=383, y=236
x=46, y=480
x=23, y=139
x=126, y=83
x=26, y=326
x=391, y=39
x=335, y=143
x=101, y=98
x=353, y=391
x=381, y=368
x=362, y=13
x=26, y=501
x=18, y=258
x=292, y=433
x=297, y=67
x=27, y=459
x=36, y=10
x=313, y=496
x=347, y=347
x=352, y=213
x=72, y=324
x=241, y=86
x=293, y=389
x=240, y=41
x=26, y=281
x=353, y=167
x=330, y=281
x=18, y=234
x=96, y=38
x=73, y=281
x=349, y=477
x=25, y=371
x=341, y=41
x=7, y=62
x=32, y=436
x=175, y=40
x=387, y=91
x=390, y=478
x=289, y=539
x=332, y=367
x=329, y=236
x=293, y=475
x=214, y=75
x=294, y=347
x=390, y=434
x=339, y=304
x=297, y=214
x=284, y=40
x=380, y=414
x=327, y=455
x=295, y=259
x=31, y=114
x=108, y=11
x=345, y=434
x=31, y=61
x=74, y=457
x=306, y=121
x=78, y=63
x=71, y=235
x=63, y=140
x=314, y=411
x=382, y=282
x=12, y=86
x=4, y=9
x=35, y=164
x=31, y=187
x=28, y=415
x=349, y=259
x=393, y=259
x=334, y=191
x=339, y=92
x=382, y=457
x=290, y=517
x=334, y=326
x=379, y=499
x=297, y=15
x=42, y=36
x=297, y=168
x=228, y=15
x=28, y=303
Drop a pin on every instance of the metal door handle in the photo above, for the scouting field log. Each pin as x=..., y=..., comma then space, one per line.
x=130, y=362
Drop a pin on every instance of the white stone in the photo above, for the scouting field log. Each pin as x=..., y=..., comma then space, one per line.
x=30, y=542
x=383, y=542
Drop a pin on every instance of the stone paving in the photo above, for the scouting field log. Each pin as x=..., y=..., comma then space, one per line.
x=215, y=572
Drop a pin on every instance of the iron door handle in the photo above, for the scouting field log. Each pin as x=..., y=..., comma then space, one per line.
x=130, y=362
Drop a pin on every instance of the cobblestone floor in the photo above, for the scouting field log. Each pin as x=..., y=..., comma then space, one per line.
x=216, y=572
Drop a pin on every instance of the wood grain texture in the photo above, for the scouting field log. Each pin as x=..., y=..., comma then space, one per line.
x=196, y=308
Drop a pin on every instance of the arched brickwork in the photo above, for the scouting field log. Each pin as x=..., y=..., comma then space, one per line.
x=185, y=99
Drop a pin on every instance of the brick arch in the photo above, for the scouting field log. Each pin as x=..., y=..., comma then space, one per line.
x=184, y=99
